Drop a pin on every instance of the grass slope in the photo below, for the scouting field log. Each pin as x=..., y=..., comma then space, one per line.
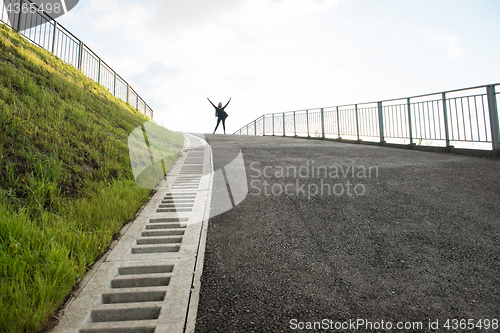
x=66, y=185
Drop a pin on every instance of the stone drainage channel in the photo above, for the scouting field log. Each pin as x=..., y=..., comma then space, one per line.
x=150, y=280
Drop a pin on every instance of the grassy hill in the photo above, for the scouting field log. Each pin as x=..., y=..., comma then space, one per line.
x=66, y=184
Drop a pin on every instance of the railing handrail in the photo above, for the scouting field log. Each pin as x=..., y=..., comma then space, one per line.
x=56, y=26
x=375, y=102
x=449, y=117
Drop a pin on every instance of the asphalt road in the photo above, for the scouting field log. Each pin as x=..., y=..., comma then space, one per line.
x=414, y=241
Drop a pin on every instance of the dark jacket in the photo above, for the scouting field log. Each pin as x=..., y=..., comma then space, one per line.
x=219, y=112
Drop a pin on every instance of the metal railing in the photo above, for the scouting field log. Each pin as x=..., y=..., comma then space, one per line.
x=40, y=29
x=464, y=117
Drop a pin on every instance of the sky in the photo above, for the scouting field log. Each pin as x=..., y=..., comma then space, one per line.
x=284, y=55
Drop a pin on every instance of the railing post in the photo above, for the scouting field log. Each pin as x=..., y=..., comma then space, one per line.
x=294, y=125
x=19, y=19
x=264, y=125
x=114, y=89
x=80, y=56
x=493, y=109
x=255, y=127
x=54, y=37
x=99, y=72
x=381, y=122
x=307, y=121
x=410, y=132
x=322, y=123
x=357, y=121
x=128, y=91
x=284, y=128
x=338, y=123
x=273, y=124
x=445, y=116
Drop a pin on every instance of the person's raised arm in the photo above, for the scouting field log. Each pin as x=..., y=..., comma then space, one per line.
x=227, y=102
x=211, y=102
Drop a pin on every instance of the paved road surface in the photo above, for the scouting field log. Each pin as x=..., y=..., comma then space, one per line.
x=418, y=241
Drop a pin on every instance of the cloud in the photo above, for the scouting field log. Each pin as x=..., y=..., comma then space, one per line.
x=270, y=55
x=174, y=16
x=451, y=42
x=180, y=52
x=448, y=40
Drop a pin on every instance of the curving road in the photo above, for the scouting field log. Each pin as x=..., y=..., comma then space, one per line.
x=398, y=236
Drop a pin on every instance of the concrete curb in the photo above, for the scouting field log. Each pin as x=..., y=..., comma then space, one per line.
x=196, y=286
x=150, y=280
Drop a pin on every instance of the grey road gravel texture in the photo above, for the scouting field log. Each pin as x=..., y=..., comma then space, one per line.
x=420, y=244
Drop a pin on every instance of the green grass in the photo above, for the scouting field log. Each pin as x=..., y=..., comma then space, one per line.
x=66, y=183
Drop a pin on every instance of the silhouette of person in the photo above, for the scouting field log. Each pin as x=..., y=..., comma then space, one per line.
x=220, y=114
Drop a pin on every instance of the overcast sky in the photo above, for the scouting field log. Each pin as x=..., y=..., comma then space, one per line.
x=284, y=55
